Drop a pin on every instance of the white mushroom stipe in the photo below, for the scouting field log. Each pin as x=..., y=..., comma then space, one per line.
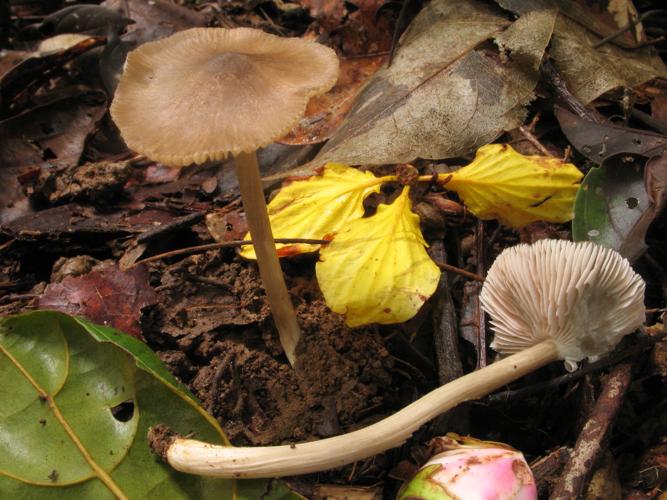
x=548, y=301
x=582, y=295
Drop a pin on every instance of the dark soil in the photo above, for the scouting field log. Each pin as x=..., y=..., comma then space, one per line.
x=211, y=326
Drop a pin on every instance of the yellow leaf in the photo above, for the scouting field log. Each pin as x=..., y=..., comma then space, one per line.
x=317, y=207
x=376, y=270
x=503, y=184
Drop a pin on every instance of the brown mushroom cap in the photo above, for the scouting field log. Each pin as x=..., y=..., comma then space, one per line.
x=204, y=93
x=582, y=295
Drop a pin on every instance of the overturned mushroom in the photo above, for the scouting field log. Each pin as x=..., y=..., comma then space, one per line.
x=548, y=301
x=204, y=93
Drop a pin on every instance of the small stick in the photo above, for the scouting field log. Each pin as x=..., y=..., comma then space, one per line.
x=224, y=244
x=649, y=120
x=126, y=8
x=601, y=364
x=175, y=225
x=625, y=28
x=457, y=270
x=561, y=91
x=530, y=137
x=587, y=451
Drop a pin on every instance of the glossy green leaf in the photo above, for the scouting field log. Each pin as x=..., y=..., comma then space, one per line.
x=610, y=206
x=76, y=403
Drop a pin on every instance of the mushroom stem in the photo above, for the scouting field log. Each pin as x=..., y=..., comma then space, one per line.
x=196, y=457
x=252, y=196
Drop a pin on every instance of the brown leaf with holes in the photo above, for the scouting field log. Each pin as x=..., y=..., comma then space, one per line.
x=107, y=296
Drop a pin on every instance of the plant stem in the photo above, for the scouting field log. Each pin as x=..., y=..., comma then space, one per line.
x=196, y=457
x=252, y=195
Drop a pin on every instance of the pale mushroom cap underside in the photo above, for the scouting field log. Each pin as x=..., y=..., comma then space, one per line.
x=204, y=93
x=582, y=295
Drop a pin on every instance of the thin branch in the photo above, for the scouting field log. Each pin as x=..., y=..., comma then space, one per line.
x=625, y=28
x=457, y=270
x=543, y=387
x=224, y=244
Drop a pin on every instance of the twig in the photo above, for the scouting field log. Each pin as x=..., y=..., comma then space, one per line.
x=543, y=387
x=16, y=297
x=625, y=28
x=447, y=355
x=649, y=120
x=176, y=225
x=481, y=254
x=530, y=137
x=559, y=87
x=224, y=244
x=587, y=451
x=457, y=270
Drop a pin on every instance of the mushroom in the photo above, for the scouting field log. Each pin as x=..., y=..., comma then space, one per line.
x=204, y=93
x=548, y=301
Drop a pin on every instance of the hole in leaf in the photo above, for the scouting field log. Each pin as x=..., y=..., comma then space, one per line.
x=124, y=411
x=351, y=7
x=632, y=202
x=48, y=154
x=636, y=141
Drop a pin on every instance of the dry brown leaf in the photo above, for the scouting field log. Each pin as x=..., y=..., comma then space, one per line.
x=590, y=72
x=108, y=296
x=50, y=134
x=443, y=95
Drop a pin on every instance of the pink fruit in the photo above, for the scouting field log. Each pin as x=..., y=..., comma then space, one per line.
x=469, y=469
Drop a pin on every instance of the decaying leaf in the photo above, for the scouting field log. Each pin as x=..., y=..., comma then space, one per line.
x=89, y=19
x=590, y=72
x=444, y=95
x=599, y=141
x=318, y=207
x=358, y=27
x=516, y=189
x=156, y=19
x=52, y=134
x=613, y=206
x=36, y=67
x=376, y=269
x=108, y=295
x=605, y=17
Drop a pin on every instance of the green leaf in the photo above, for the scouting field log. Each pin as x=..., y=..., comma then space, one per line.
x=62, y=380
x=610, y=206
